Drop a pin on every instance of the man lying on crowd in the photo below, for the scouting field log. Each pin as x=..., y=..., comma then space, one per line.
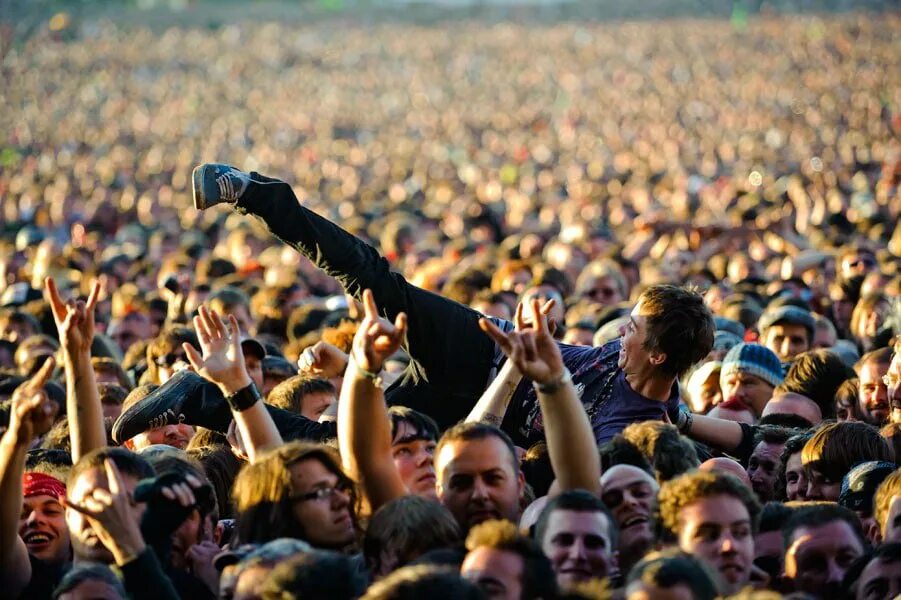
x=625, y=381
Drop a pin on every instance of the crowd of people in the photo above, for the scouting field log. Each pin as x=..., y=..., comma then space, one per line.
x=481, y=310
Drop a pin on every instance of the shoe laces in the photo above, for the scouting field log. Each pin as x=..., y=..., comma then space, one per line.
x=227, y=189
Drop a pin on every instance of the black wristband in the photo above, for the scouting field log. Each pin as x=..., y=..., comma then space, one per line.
x=244, y=398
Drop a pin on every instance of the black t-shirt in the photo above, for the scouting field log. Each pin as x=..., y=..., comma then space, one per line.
x=44, y=579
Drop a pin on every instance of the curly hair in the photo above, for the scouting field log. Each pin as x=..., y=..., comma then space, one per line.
x=670, y=453
x=695, y=486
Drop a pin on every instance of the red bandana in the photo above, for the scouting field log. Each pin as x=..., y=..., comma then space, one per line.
x=38, y=484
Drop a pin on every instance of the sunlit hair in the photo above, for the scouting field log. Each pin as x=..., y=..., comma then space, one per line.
x=263, y=493
x=679, y=325
x=836, y=447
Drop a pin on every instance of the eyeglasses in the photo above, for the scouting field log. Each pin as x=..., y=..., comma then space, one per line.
x=170, y=359
x=326, y=493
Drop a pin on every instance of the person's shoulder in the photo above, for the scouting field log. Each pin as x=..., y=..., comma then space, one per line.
x=579, y=355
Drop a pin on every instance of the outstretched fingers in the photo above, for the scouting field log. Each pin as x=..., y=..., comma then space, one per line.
x=57, y=306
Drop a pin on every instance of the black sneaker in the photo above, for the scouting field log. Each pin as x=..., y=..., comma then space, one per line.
x=186, y=398
x=214, y=184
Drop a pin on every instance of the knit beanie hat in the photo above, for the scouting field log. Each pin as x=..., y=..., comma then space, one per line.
x=752, y=359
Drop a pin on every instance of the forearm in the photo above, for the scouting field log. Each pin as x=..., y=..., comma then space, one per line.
x=492, y=405
x=570, y=440
x=719, y=433
x=15, y=570
x=364, y=438
x=86, y=429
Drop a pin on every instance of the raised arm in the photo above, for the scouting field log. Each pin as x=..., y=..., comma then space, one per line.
x=364, y=428
x=75, y=326
x=30, y=417
x=222, y=362
x=570, y=439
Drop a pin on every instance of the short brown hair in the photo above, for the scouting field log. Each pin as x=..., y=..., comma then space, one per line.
x=289, y=393
x=687, y=489
x=836, y=447
x=410, y=526
x=679, y=325
x=112, y=367
x=538, y=579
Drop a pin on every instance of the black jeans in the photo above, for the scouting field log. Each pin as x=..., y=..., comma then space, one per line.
x=452, y=359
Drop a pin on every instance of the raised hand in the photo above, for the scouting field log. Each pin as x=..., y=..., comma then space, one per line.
x=376, y=338
x=74, y=318
x=522, y=321
x=222, y=361
x=32, y=411
x=113, y=516
x=531, y=346
x=322, y=360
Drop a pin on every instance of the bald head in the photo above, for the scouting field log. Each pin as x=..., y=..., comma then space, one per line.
x=619, y=476
x=726, y=465
x=789, y=403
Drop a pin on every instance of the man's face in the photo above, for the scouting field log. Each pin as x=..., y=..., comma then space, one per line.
x=477, y=481
x=327, y=522
x=795, y=478
x=314, y=404
x=750, y=389
x=498, y=572
x=42, y=526
x=177, y=436
x=787, y=340
x=892, y=381
x=633, y=357
x=578, y=544
x=629, y=493
x=763, y=469
x=879, y=580
x=85, y=543
x=817, y=558
x=821, y=486
x=718, y=531
x=873, y=394
x=413, y=456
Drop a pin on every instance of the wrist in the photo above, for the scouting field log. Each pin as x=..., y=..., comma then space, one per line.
x=234, y=383
x=361, y=373
x=125, y=552
x=553, y=384
x=244, y=398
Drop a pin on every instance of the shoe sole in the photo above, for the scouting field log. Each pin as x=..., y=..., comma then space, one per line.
x=197, y=177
